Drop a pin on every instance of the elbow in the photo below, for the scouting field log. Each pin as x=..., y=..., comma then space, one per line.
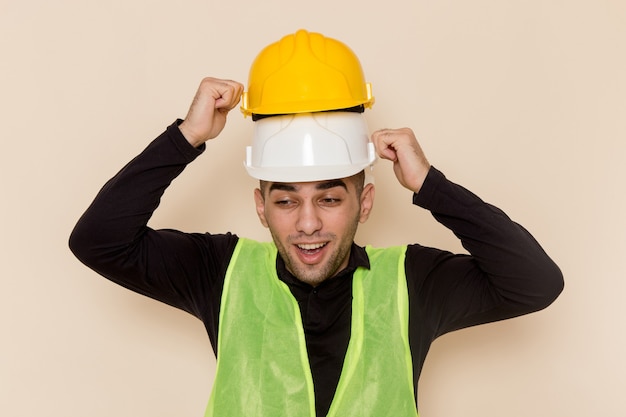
x=79, y=243
x=538, y=288
x=82, y=243
x=549, y=286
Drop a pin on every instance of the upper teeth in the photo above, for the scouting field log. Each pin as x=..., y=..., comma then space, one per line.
x=311, y=246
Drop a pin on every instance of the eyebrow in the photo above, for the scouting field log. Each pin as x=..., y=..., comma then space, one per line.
x=326, y=185
x=331, y=184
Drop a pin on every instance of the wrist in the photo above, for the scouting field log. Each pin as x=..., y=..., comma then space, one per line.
x=189, y=135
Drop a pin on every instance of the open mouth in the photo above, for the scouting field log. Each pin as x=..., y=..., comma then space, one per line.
x=310, y=248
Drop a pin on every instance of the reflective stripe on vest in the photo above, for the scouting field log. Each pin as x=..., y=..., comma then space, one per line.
x=262, y=364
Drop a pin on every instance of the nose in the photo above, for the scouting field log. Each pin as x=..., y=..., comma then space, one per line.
x=308, y=221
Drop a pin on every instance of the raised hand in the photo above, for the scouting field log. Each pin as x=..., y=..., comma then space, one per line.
x=207, y=114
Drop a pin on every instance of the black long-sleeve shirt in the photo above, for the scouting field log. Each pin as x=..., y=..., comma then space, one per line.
x=507, y=273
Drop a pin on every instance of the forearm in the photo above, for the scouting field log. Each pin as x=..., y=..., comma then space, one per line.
x=115, y=222
x=507, y=274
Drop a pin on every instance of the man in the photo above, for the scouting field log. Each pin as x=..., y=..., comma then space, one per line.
x=312, y=324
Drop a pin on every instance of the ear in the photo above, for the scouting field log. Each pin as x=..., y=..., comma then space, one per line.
x=260, y=206
x=367, y=202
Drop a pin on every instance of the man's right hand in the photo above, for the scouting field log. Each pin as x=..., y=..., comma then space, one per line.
x=207, y=115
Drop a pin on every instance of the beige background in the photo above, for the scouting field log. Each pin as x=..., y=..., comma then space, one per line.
x=523, y=102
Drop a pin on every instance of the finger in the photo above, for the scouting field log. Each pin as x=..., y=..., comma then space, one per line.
x=219, y=89
x=230, y=95
x=383, y=140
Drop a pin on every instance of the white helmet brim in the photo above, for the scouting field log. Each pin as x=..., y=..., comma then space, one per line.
x=309, y=147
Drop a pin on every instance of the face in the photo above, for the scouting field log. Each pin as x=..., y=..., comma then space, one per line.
x=313, y=223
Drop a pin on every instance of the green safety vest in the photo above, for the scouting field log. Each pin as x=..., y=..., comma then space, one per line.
x=262, y=362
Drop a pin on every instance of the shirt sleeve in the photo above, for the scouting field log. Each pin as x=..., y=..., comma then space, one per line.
x=506, y=274
x=184, y=270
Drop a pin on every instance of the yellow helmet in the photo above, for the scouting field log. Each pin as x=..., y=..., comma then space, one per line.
x=305, y=72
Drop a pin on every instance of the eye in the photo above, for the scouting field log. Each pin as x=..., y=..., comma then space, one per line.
x=284, y=202
x=330, y=201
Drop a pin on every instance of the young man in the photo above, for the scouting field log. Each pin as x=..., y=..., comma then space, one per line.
x=313, y=324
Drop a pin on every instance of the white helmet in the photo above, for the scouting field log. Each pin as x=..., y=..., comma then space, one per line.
x=309, y=147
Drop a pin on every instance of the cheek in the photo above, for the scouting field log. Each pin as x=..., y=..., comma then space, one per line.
x=279, y=223
x=342, y=221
